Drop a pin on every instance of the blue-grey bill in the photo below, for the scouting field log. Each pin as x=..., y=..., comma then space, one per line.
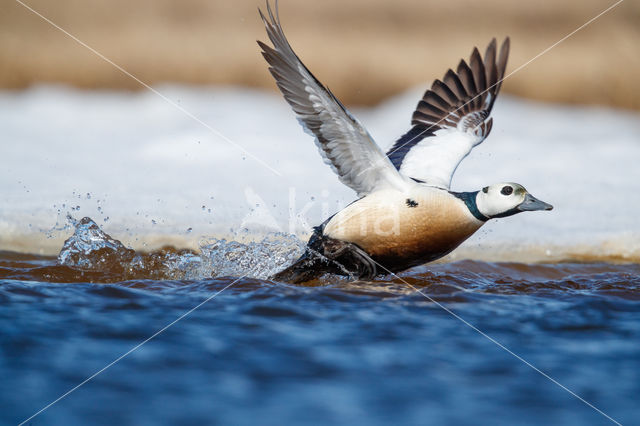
x=531, y=203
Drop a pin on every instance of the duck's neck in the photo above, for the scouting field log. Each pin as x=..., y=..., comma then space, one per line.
x=469, y=199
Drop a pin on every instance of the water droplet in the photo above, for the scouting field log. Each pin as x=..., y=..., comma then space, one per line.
x=153, y=222
x=203, y=208
x=189, y=230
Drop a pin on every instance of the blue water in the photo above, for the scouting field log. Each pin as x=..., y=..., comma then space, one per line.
x=342, y=353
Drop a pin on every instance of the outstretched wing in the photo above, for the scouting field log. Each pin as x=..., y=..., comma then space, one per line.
x=451, y=118
x=343, y=142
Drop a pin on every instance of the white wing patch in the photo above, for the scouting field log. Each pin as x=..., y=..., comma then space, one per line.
x=435, y=159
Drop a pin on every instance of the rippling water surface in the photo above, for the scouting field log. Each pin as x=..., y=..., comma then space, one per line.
x=262, y=352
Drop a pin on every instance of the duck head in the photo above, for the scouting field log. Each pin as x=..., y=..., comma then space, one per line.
x=507, y=199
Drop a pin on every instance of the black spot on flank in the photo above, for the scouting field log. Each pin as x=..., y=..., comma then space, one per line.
x=506, y=190
x=411, y=203
x=485, y=189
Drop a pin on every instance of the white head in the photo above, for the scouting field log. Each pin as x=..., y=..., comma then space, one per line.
x=506, y=199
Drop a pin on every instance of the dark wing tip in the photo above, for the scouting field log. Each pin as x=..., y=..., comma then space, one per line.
x=506, y=45
x=270, y=12
x=472, y=87
x=474, y=53
x=504, y=54
x=478, y=71
x=501, y=64
x=492, y=45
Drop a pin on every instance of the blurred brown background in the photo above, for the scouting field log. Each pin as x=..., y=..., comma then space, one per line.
x=365, y=50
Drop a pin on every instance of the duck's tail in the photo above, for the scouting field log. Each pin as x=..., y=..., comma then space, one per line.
x=307, y=268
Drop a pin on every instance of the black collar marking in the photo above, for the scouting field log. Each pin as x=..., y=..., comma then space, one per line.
x=469, y=199
x=511, y=212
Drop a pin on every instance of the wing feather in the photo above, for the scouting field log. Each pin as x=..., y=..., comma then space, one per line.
x=343, y=142
x=426, y=107
x=451, y=118
x=452, y=81
x=442, y=90
x=502, y=63
x=466, y=77
x=491, y=69
x=477, y=70
x=436, y=100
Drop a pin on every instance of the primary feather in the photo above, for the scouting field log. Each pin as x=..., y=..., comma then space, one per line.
x=343, y=142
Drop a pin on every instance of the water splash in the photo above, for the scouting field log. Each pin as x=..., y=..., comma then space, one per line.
x=256, y=259
x=92, y=249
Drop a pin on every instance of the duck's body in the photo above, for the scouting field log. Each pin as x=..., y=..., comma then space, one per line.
x=400, y=230
x=406, y=214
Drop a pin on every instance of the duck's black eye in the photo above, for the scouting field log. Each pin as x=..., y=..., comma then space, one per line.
x=506, y=190
x=485, y=189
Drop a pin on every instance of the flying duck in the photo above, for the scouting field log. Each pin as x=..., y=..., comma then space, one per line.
x=406, y=213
